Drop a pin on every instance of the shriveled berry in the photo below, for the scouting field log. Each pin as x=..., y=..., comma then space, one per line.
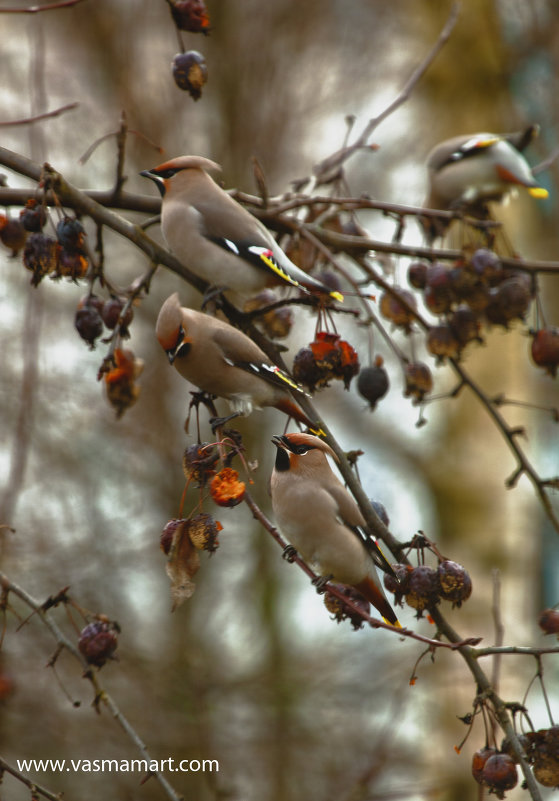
x=380, y=509
x=545, y=349
x=306, y=371
x=89, y=325
x=341, y=611
x=509, y=301
x=276, y=323
x=72, y=265
x=226, y=489
x=486, y=265
x=203, y=531
x=190, y=72
x=400, y=584
x=438, y=299
x=419, y=381
x=199, y=461
x=417, y=274
x=168, y=534
x=393, y=310
x=120, y=381
x=548, y=621
x=34, y=216
x=111, y=312
x=442, y=342
x=348, y=366
x=98, y=642
x=423, y=588
x=546, y=757
x=373, y=383
x=464, y=324
x=455, y=583
x=190, y=15
x=12, y=234
x=70, y=234
x=499, y=773
x=525, y=744
x=40, y=256
x=479, y=760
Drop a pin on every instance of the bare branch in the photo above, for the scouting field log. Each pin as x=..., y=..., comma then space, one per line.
x=38, y=117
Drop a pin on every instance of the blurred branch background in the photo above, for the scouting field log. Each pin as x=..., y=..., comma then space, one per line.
x=251, y=671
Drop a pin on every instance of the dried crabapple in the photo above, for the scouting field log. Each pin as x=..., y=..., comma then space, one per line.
x=199, y=461
x=34, y=216
x=98, y=642
x=486, y=265
x=341, y=611
x=12, y=234
x=226, y=489
x=455, y=583
x=423, y=588
x=393, y=310
x=417, y=274
x=545, y=349
x=548, y=621
x=190, y=15
x=70, y=234
x=419, y=381
x=400, y=583
x=372, y=382
x=168, y=534
x=89, y=324
x=380, y=509
x=442, y=342
x=122, y=391
x=203, y=530
x=276, y=323
x=111, y=312
x=306, y=371
x=464, y=324
x=478, y=762
x=40, y=256
x=190, y=72
x=499, y=773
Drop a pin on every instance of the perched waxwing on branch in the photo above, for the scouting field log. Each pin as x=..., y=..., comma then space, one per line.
x=216, y=238
x=322, y=520
x=467, y=172
x=221, y=360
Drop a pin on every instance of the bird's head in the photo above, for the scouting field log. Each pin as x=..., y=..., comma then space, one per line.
x=301, y=450
x=170, y=329
x=163, y=175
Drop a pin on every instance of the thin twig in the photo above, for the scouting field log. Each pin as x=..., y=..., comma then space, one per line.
x=38, y=117
x=33, y=786
x=9, y=586
x=334, y=162
x=38, y=9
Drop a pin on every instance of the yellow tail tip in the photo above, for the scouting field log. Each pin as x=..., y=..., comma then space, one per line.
x=538, y=191
x=337, y=296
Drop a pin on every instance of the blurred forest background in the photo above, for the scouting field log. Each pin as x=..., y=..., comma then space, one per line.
x=251, y=671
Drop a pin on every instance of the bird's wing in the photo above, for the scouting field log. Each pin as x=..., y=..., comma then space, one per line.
x=247, y=356
x=233, y=228
x=350, y=514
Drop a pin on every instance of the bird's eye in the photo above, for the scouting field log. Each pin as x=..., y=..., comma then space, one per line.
x=167, y=173
x=301, y=450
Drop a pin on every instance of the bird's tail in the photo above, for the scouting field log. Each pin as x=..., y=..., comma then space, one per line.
x=374, y=594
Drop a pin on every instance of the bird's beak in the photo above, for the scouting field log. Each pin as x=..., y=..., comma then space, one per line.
x=280, y=442
x=157, y=180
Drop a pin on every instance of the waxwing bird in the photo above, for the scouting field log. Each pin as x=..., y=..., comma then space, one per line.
x=221, y=360
x=467, y=172
x=322, y=520
x=216, y=238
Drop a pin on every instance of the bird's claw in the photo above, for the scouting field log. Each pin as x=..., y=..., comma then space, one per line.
x=320, y=583
x=289, y=553
x=217, y=422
